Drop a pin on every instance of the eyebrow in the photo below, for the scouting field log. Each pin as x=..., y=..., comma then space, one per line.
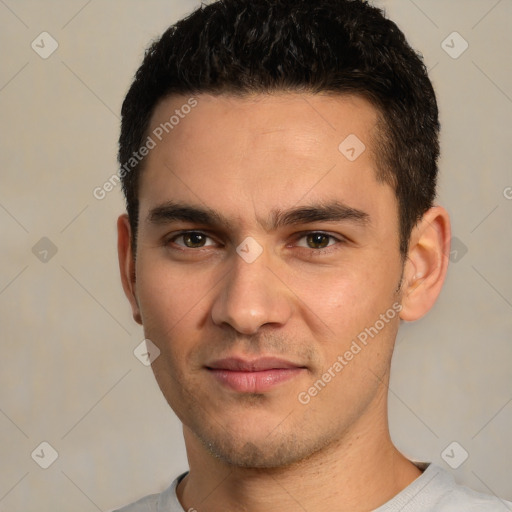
x=172, y=212
x=329, y=212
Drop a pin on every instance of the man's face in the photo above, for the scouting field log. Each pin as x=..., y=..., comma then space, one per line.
x=264, y=249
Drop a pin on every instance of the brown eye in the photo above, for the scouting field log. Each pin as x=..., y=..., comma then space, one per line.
x=192, y=240
x=317, y=240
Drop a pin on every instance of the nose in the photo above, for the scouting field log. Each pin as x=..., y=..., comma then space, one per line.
x=251, y=296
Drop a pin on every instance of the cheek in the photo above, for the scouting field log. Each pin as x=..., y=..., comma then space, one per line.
x=173, y=307
x=349, y=297
x=168, y=296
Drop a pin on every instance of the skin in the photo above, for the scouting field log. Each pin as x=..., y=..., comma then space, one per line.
x=250, y=160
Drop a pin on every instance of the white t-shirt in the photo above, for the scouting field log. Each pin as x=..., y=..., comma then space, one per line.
x=434, y=491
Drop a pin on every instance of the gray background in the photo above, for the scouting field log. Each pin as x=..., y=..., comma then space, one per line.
x=68, y=375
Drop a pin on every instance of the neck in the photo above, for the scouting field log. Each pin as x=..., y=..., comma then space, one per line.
x=358, y=473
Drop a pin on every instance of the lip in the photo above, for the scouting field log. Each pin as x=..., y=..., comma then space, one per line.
x=253, y=376
x=253, y=365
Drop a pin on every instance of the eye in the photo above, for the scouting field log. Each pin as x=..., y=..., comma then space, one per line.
x=192, y=240
x=316, y=240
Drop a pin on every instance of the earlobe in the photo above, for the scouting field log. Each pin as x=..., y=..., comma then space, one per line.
x=127, y=264
x=426, y=264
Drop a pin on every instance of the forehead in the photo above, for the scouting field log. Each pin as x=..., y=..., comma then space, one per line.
x=282, y=119
x=262, y=151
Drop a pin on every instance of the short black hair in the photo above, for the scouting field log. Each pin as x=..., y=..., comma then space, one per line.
x=346, y=47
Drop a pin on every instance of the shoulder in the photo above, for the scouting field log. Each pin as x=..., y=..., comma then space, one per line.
x=166, y=501
x=436, y=491
x=458, y=497
x=146, y=504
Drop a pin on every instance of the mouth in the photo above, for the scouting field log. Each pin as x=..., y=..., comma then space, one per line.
x=254, y=376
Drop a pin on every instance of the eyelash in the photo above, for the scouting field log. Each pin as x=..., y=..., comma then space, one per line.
x=338, y=239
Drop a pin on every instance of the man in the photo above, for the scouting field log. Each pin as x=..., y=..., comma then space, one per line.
x=279, y=161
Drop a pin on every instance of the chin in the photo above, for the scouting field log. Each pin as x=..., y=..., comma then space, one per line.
x=270, y=452
x=254, y=455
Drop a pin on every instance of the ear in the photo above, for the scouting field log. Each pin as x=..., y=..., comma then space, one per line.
x=426, y=264
x=127, y=264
